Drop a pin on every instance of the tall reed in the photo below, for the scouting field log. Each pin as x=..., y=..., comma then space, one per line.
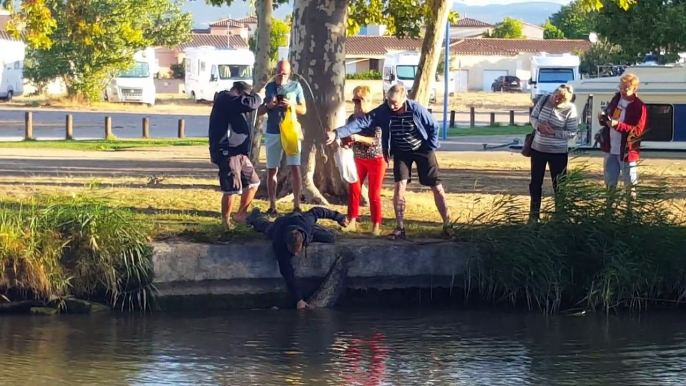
x=55, y=246
x=593, y=249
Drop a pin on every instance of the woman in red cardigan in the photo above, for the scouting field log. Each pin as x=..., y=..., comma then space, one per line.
x=369, y=161
x=621, y=139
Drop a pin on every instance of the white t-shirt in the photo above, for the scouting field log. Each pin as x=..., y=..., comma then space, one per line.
x=615, y=136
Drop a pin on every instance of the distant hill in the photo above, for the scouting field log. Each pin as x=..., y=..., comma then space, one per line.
x=530, y=12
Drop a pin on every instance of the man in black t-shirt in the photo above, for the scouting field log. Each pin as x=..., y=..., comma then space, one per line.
x=230, y=142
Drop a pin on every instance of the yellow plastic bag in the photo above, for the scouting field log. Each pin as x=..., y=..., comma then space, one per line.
x=290, y=137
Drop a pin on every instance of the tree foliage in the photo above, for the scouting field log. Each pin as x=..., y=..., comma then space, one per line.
x=90, y=41
x=402, y=18
x=278, y=38
x=650, y=26
x=550, y=31
x=576, y=20
x=601, y=53
x=509, y=29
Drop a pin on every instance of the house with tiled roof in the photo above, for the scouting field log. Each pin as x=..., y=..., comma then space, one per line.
x=469, y=28
x=476, y=61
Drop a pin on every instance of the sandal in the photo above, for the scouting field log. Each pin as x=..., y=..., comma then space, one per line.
x=271, y=212
x=448, y=230
x=397, y=234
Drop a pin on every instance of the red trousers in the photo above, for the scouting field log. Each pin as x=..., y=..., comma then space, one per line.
x=375, y=169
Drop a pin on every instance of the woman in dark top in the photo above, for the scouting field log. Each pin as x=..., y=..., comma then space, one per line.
x=369, y=161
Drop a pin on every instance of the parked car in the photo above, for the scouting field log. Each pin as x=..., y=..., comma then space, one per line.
x=507, y=83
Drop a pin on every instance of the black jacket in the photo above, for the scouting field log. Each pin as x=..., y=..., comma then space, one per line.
x=303, y=222
x=229, y=123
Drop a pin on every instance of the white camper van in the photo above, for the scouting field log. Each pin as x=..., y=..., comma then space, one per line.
x=550, y=71
x=210, y=70
x=402, y=68
x=12, y=70
x=136, y=85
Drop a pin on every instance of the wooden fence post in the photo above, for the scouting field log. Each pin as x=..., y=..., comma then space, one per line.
x=492, y=119
x=472, y=117
x=512, y=122
x=452, y=118
x=28, y=126
x=69, y=127
x=182, y=128
x=108, y=128
x=146, y=128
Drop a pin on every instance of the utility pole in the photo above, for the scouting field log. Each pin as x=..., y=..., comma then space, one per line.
x=228, y=32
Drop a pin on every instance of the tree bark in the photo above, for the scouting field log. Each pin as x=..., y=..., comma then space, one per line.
x=319, y=57
x=431, y=50
x=262, y=70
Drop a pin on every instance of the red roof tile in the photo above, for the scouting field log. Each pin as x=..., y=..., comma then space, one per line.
x=227, y=22
x=248, y=20
x=4, y=35
x=467, y=22
x=512, y=47
x=379, y=45
x=198, y=40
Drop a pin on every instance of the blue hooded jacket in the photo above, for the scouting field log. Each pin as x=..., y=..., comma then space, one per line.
x=381, y=116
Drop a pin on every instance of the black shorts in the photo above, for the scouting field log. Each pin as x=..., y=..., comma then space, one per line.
x=235, y=173
x=427, y=167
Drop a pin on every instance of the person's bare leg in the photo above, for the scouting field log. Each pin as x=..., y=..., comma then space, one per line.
x=271, y=187
x=296, y=183
x=246, y=199
x=441, y=203
x=227, y=205
x=399, y=203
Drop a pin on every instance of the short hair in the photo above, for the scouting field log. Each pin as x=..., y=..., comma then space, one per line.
x=242, y=87
x=631, y=79
x=566, y=91
x=364, y=90
x=294, y=240
x=395, y=90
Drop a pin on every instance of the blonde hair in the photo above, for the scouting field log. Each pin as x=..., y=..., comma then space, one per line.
x=363, y=90
x=630, y=79
x=565, y=92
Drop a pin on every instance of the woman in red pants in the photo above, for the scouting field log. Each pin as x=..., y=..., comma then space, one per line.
x=369, y=161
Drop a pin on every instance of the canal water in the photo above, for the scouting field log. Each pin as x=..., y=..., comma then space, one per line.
x=343, y=347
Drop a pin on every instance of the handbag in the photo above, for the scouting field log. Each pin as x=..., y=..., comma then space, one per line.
x=345, y=160
x=529, y=138
x=290, y=133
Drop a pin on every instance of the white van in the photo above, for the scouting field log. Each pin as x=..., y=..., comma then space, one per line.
x=12, y=70
x=401, y=68
x=136, y=85
x=210, y=70
x=549, y=71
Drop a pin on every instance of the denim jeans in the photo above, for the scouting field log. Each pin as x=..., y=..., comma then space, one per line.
x=613, y=166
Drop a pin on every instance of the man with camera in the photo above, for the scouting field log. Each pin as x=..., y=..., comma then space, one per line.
x=624, y=121
x=230, y=142
x=281, y=96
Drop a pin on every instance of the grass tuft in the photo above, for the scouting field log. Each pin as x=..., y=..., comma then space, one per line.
x=594, y=249
x=53, y=247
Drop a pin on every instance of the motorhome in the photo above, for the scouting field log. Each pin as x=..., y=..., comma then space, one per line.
x=548, y=71
x=136, y=84
x=210, y=70
x=12, y=70
x=662, y=89
x=401, y=68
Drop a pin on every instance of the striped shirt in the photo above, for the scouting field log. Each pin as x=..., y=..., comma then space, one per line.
x=564, y=121
x=404, y=133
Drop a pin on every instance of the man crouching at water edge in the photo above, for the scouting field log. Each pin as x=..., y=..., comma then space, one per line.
x=230, y=143
x=292, y=233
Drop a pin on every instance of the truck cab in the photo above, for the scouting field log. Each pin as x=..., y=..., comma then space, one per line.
x=548, y=72
x=137, y=84
x=12, y=69
x=401, y=68
x=210, y=70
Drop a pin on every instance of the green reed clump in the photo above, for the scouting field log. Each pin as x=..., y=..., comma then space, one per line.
x=594, y=249
x=53, y=246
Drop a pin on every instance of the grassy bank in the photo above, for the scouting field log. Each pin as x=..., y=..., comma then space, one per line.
x=594, y=250
x=489, y=130
x=53, y=247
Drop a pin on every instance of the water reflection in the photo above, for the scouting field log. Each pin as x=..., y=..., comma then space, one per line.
x=343, y=347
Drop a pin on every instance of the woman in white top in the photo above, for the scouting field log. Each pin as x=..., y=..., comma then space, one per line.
x=556, y=122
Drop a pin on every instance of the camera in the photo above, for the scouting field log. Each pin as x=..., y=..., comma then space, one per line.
x=603, y=119
x=280, y=98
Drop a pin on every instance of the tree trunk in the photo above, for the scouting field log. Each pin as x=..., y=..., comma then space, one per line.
x=431, y=50
x=319, y=57
x=262, y=70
